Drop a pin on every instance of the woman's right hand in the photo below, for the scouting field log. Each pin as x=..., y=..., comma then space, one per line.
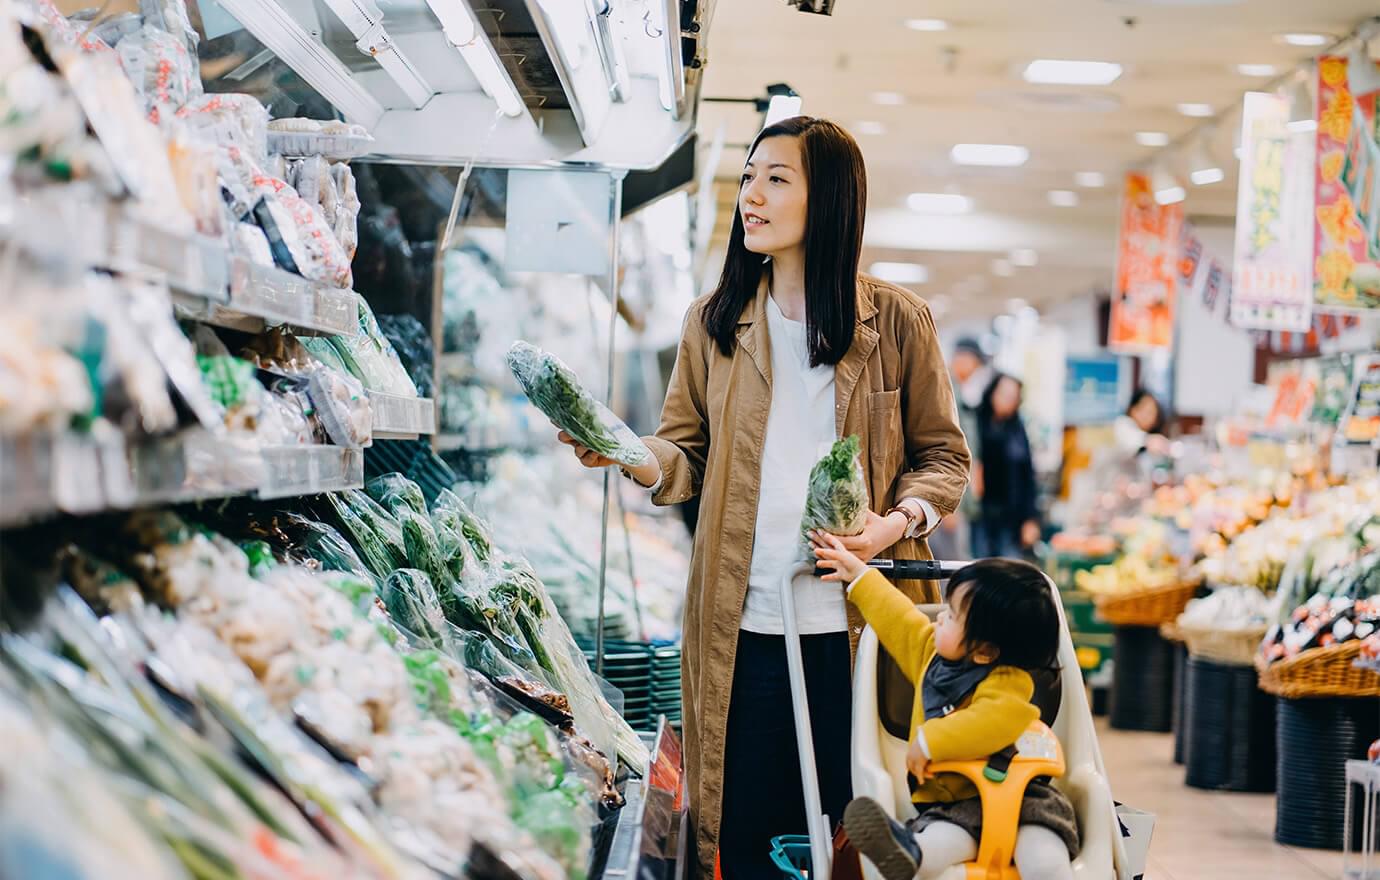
x=588, y=457
x=645, y=476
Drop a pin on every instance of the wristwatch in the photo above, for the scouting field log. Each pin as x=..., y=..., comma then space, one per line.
x=910, y=519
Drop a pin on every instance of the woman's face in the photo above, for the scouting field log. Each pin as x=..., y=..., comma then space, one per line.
x=1006, y=398
x=1146, y=413
x=772, y=198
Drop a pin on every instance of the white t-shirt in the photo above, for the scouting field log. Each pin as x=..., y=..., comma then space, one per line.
x=800, y=431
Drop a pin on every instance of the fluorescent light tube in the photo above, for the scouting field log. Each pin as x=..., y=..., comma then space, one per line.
x=992, y=155
x=900, y=273
x=939, y=203
x=1047, y=71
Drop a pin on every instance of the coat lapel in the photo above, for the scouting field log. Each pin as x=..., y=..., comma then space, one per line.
x=753, y=335
x=849, y=370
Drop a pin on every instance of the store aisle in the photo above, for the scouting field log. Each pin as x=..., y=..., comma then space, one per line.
x=1203, y=835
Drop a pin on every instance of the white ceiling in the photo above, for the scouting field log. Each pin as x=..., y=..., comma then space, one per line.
x=963, y=85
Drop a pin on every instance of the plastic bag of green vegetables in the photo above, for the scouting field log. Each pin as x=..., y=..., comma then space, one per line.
x=394, y=493
x=375, y=534
x=556, y=391
x=412, y=604
x=319, y=543
x=370, y=357
x=836, y=499
x=453, y=514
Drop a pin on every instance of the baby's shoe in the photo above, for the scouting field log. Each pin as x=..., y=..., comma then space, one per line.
x=887, y=843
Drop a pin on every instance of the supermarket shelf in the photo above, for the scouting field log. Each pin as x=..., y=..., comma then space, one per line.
x=45, y=475
x=208, y=282
x=264, y=295
x=402, y=418
x=311, y=470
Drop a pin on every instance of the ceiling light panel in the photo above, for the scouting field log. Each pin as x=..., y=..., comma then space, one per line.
x=1305, y=40
x=939, y=203
x=900, y=273
x=1090, y=179
x=1063, y=198
x=888, y=99
x=870, y=128
x=1049, y=71
x=1257, y=70
x=991, y=155
x=1152, y=139
x=927, y=25
x=1198, y=111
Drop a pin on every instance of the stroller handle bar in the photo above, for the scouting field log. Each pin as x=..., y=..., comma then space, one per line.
x=912, y=569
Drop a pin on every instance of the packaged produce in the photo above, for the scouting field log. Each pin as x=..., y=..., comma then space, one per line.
x=557, y=392
x=370, y=357
x=231, y=121
x=161, y=69
x=836, y=499
x=412, y=343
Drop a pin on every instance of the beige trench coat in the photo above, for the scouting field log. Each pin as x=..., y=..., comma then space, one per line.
x=891, y=389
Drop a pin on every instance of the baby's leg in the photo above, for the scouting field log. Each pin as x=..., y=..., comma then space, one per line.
x=1041, y=854
x=943, y=845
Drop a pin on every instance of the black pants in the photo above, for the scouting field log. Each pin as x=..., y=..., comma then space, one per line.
x=763, y=796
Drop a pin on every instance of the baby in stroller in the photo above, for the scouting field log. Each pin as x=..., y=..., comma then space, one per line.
x=972, y=671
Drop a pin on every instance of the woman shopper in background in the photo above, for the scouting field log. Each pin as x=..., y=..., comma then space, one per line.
x=1009, y=522
x=792, y=351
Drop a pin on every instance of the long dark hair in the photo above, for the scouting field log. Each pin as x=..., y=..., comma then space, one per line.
x=835, y=209
x=1140, y=394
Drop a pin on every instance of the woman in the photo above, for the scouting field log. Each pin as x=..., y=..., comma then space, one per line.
x=1141, y=429
x=1009, y=523
x=792, y=350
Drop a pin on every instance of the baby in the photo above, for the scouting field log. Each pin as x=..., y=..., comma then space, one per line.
x=973, y=695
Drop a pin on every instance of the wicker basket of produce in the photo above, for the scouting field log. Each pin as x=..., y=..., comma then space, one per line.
x=1319, y=672
x=1234, y=647
x=1150, y=606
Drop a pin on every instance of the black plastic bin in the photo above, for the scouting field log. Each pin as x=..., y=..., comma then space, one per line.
x=1229, y=728
x=1316, y=737
x=1142, y=680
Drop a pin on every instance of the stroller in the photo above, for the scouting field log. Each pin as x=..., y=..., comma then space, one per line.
x=1062, y=745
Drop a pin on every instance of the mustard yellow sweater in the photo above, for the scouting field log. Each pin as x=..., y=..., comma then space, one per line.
x=993, y=717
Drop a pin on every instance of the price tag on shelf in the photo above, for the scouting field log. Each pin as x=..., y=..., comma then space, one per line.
x=76, y=475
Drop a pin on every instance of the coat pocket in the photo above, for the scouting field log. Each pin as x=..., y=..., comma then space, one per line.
x=885, y=441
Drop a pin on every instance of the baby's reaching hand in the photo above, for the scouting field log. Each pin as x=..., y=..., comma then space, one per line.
x=917, y=762
x=843, y=566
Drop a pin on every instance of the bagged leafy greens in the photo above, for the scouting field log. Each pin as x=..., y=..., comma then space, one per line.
x=836, y=498
x=555, y=390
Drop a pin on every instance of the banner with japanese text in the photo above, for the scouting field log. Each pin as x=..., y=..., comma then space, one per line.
x=1347, y=264
x=1272, y=277
x=1147, y=271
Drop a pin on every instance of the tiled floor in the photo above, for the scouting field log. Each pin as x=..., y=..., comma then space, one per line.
x=1203, y=835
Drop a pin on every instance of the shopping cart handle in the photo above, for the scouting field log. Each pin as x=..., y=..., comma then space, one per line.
x=911, y=569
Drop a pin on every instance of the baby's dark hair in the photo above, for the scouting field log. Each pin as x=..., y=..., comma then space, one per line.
x=1007, y=604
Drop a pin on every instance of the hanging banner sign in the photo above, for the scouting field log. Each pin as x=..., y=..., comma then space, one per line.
x=1272, y=278
x=1142, y=318
x=1347, y=268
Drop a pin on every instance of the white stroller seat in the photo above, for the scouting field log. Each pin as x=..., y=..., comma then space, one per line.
x=879, y=755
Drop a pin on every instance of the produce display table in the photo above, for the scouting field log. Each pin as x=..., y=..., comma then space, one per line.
x=1142, y=680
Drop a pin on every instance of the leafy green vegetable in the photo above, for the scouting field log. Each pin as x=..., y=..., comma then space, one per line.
x=452, y=513
x=556, y=391
x=836, y=498
x=396, y=493
x=411, y=602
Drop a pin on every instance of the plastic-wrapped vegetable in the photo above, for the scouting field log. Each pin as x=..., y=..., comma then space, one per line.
x=450, y=512
x=556, y=391
x=423, y=553
x=412, y=342
x=324, y=545
x=381, y=557
x=396, y=492
x=411, y=602
x=836, y=500
x=371, y=358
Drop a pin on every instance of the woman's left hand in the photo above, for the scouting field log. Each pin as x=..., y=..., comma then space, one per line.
x=879, y=534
